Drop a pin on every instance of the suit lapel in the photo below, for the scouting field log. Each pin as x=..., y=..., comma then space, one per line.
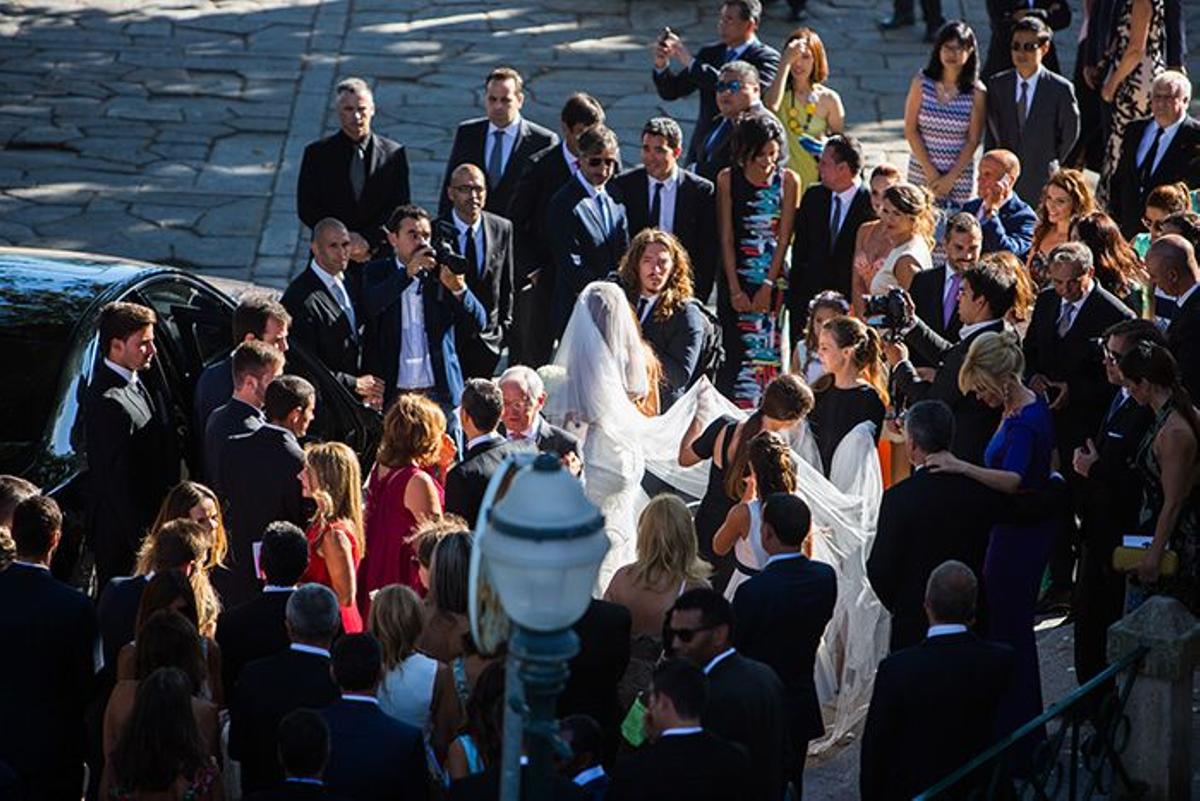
x=1179, y=140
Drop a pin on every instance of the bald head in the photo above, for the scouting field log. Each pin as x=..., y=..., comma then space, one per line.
x=1006, y=160
x=950, y=594
x=467, y=192
x=331, y=245
x=1171, y=262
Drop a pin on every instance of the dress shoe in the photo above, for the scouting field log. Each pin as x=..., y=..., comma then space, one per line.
x=896, y=21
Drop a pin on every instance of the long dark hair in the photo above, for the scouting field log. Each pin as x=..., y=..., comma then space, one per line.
x=786, y=398
x=1147, y=361
x=161, y=741
x=957, y=31
x=1118, y=268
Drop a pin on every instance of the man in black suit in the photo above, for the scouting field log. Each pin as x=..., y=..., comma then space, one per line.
x=685, y=761
x=355, y=175
x=371, y=756
x=128, y=443
x=746, y=698
x=1031, y=109
x=486, y=449
x=596, y=670
x=255, y=365
x=548, y=171
x=258, y=628
x=661, y=194
x=583, y=735
x=739, y=90
x=260, y=480
x=986, y=296
x=303, y=753
x=903, y=15
x=486, y=241
x=1171, y=263
x=935, y=292
x=257, y=317
x=271, y=687
x=328, y=314
x=826, y=226
x=1007, y=221
x=499, y=144
x=414, y=308
x=1161, y=150
x=1007, y=16
x=736, y=27
x=792, y=594
x=45, y=681
x=924, y=520
x=934, y=705
x=1111, y=501
x=586, y=225
x=524, y=396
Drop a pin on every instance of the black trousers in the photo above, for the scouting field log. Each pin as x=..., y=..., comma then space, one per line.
x=1098, y=602
x=931, y=10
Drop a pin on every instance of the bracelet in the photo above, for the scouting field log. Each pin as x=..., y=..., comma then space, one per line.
x=769, y=282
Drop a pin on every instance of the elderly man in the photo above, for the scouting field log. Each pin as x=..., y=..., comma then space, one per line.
x=1006, y=220
x=1171, y=262
x=524, y=396
x=736, y=28
x=355, y=175
x=1161, y=150
x=738, y=89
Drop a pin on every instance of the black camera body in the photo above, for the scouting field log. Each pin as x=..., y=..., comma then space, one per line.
x=445, y=248
x=888, y=312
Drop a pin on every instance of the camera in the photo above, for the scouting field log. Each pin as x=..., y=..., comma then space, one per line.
x=445, y=248
x=888, y=312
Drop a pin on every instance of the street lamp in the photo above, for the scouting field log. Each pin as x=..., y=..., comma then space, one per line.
x=541, y=548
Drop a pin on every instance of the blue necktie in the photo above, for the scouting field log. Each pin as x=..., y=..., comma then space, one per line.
x=605, y=223
x=714, y=138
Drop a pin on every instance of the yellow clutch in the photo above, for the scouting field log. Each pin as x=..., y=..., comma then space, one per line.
x=1126, y=560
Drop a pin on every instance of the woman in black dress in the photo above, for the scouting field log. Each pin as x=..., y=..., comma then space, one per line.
x=786, y=401
x=854, y=387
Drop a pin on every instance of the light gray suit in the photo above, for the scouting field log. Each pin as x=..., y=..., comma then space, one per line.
x=1051, y=127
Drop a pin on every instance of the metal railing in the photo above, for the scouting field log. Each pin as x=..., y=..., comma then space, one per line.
x=1079, y=760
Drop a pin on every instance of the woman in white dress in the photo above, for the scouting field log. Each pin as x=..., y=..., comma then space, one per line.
x=908, y=218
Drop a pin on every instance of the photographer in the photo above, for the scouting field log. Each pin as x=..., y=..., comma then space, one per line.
x=986, y=295
x=414, y=301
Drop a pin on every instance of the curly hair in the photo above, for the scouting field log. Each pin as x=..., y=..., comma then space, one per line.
x=1075, y=185
x=412, y=432
x=678, y=290
x=337, y=486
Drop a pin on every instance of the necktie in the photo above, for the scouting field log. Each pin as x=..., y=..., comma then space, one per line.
x=656, y=206
x=714, y=138
x=358, y=171
x=641, y=308
x=142, y=391
x=950, y=302
x=730, y=53
x=835, y=220
x=1023, y=105
x=1113, y=408
x=1148, y=163
x=603, y=208
x=1065, y=318
x=469, y=251
x=495, y=165
x=343, y=300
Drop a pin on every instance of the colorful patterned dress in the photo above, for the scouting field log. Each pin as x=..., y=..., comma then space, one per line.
x=806, y=133
x=944, y=127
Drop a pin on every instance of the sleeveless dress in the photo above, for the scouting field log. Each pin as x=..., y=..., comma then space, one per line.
x=885, y=278
x=644, y=652
x=318, y=571
x=806, y=134
x=944, y=128
x=748, y=551
x=753, y=343
x=716, y=503
x=390, y=558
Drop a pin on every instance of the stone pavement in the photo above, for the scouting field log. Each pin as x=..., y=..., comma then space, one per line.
x=171, y=130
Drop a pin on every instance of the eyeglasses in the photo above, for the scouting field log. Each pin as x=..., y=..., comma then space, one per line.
x=1111, y=356
x=729, y=86
x=474, y=190
x=1028, y=47
x=598, y=161
x=1151, y=225
x=686, y=635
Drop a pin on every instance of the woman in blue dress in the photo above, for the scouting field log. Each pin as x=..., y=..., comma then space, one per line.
x=1017, y=460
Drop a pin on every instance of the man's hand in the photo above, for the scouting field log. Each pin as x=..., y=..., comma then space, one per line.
x=662, y=55
x=1085, y=456
x=447, y=454
x=453, y=281
x=895, y=352
x=1062, y=398
x=359, y=249
x=570, y=460
x=421, y=261
x=995, y=198
x=679, y=50
x=370, y=389
x=940, y=186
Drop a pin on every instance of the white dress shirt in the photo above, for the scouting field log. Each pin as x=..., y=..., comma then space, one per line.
x=129, y=375
x=1148, y=138
x=942, y=629
x=569, y=157
x=718, y=659
x=309, y=649
x=967, y=330
x=416, y=368
x=670, y=189
x=507, y=143
x=530, y=434
x=646, y=307
x=782, y=557
x=1032, y=82
x=846, y=198
x=489, y=436
x=462, y=229
x=1182, y=299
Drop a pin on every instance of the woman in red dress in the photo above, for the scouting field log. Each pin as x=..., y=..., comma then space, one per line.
x=402, y=491
x=331, y=477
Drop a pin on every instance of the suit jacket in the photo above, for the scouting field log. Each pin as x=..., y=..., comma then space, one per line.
x=928, y=291
x=746, y=706
x=1075, y=359
x=373, y=756
x=259, y=485
x=324, y=189
x=471, y=147
x=924, y=520
x=711, y=159
x=1050, y=131
x=468, y=480
x=266, y=691
x=1180, y=162
x=444, y=314
x=129, y=451
x=591, y=689
x=552, y=439
x=686, y=767
x=974, y=422
x=999, y=56
x=546, y=173
x=581, y=250
x=1010, y=228
x=817, y=263
x=46, y=679
x=1112, y=490
x=479, y=351
x=933, y=708
x=678, y=341
x=117, y=616
x=214, y=388
x=320, y=324
x=694, y=222
x=1183, y=338
x=233, y=418
x=795, y=595
x=253, y=630
x=702, y=75
x=597, y=788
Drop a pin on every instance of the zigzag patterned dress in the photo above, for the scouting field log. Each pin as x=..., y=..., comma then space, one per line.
x=944, y=128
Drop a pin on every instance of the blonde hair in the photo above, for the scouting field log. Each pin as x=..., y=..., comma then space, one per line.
x=666, y=545
x=396, y=621
x=178, y=503
x=994, y=361
x=337, y=487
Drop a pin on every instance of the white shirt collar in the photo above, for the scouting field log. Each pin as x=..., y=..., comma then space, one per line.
x=129, y=375
x=1032, y=82
x=647, y=308
x=490, y=436
x=718, y=659
x=360, y=698
x=680, y=731
x=1078, y=304
x=509, y=130
x=530, y=433
x=461, y=226
x=967, y=330
x=591, y=774
x=592, y=191
x=847, y=196
x=942, y=629
x=277, y=588
x=782, y=557
x=737, y=51
x=668, y=182
x=1182, y=299
x=309, y=649
x=571, y=159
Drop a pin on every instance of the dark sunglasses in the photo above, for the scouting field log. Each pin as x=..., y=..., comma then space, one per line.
x=729, y=86
x=1028, y=47
x=685, y=635
x=597, y=161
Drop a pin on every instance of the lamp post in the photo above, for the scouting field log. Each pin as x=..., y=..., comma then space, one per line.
x=541, y=549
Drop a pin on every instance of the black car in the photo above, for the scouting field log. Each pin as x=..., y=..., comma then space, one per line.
x=49, y=306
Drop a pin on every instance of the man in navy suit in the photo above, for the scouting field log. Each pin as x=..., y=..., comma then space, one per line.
x=413, y=307
x=582, y=734
x=303, y=753
x=792, y=593
x=736, y=28
x=1006, y=221
x=586, y=226
x=255, y=365
x=371, y=755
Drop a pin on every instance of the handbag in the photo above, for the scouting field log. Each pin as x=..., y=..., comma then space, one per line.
x=1126, y=560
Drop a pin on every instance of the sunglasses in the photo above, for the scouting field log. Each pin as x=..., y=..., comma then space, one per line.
x=685, y=635
x=598, y=161
x=729, y=86
x=1027, y=47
